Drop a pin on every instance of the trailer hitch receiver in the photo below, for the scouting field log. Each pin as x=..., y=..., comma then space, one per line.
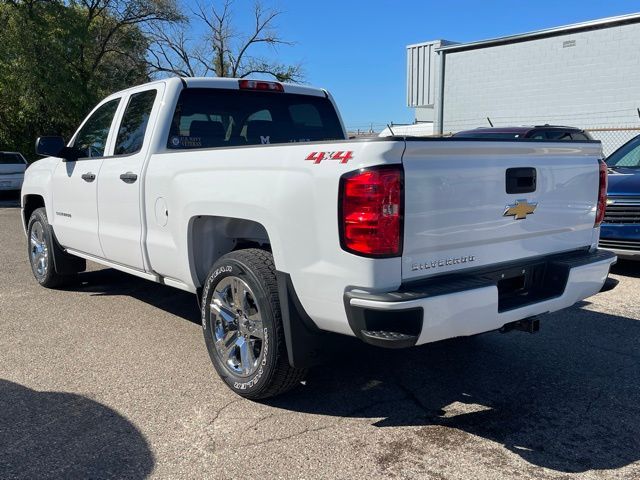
x=530, y=325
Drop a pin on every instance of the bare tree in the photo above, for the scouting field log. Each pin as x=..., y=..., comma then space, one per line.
x=172, y=51
x=222, y=51
x=110, y=29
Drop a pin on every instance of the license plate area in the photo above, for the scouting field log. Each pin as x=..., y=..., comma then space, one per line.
x=520, y=286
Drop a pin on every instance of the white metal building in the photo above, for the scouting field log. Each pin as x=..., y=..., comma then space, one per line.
x=585, y=75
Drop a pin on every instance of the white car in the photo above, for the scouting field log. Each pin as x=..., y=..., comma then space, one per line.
x=12, y=167
x=422, y=129
x=249, y=194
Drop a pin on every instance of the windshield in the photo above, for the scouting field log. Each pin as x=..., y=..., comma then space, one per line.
x=210, y=118
x=627, y=156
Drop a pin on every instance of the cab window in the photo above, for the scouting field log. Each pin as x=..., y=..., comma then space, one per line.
x=134, y=123
x=91, y=140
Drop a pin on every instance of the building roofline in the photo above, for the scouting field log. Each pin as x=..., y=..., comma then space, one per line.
x=598, y=24
x=443, y=43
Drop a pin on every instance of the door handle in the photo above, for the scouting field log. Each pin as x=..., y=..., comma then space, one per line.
x=89, y=177
x=128, y=177
x=521, y=180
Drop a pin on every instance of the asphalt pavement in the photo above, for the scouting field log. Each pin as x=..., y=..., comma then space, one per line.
x=110, y=378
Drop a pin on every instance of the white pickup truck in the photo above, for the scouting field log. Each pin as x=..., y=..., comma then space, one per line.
x=249, y=194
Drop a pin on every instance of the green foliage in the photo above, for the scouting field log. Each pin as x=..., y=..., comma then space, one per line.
x=58, y=59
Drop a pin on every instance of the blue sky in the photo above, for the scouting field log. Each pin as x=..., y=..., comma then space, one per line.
x=356, y=49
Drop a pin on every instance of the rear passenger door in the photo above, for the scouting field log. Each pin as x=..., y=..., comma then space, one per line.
x=120, y=180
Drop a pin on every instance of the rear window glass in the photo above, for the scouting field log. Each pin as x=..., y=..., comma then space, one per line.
x=579, y=136
x=7, y=158
x=208, y=118
x=498, y=135
x=556, y=134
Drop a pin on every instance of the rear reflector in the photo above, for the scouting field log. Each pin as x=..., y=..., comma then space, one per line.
x=260, y=85
x=602, y=194
x=371, y=211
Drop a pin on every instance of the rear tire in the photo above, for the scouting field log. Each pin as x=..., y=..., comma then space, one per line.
x=242, y=326
x=41, y=250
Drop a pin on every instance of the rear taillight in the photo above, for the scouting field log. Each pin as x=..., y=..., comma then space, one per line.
x=260, y=85
x=371, y=211
x=602, y=194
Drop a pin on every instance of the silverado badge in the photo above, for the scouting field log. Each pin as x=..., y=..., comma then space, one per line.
x=520, y=209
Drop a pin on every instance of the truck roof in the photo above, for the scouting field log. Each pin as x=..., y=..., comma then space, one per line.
x=231, y=84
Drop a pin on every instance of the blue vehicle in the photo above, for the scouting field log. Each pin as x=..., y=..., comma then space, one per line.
x=620, y=230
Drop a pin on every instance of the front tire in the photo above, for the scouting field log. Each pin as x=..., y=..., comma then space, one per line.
x=41, y=250
x=242, y=325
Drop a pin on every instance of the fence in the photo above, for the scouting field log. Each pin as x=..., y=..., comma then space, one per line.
x=613, y=137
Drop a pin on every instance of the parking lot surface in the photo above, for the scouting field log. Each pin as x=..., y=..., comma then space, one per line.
x=111, y=378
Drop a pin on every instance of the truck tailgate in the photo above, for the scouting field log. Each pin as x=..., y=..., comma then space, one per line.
x=459, y=215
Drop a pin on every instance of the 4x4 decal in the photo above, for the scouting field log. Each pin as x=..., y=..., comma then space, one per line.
x=317, y=157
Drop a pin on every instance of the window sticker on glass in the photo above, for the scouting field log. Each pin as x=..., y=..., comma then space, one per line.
x=185, y=141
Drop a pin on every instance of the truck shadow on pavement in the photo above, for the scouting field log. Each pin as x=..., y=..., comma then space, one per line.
x=9, y=199
x=628, y=268
x=110, y=282
x=63, y=435
x=567, y=398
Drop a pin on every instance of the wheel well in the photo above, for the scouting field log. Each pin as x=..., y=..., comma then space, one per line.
x=31, y=203
x=212, y=237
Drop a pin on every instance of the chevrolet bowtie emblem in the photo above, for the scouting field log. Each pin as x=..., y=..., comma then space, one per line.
x=520, y=209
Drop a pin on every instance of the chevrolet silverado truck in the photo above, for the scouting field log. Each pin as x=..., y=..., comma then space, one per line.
x=293, y=237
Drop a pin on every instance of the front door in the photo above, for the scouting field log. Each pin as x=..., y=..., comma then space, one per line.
x=120, y=183
x=74, y=199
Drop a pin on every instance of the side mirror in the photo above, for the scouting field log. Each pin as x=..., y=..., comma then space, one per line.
x=49, y=146
x=55, y=147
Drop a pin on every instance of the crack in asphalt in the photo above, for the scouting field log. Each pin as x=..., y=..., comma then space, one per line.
x=222, y=409
x=288, y=437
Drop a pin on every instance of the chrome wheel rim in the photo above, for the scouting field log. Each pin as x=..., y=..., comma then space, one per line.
x=237, y=328
x=39, y=250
